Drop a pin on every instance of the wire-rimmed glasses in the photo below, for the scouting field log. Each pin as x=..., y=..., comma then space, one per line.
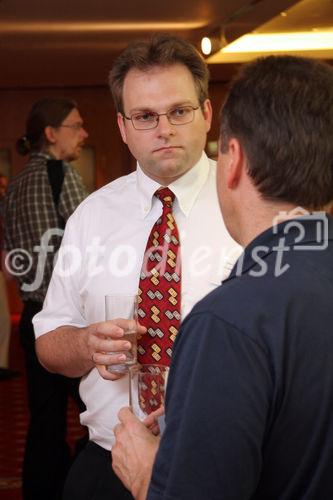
x=74, y=126
x=146, y=120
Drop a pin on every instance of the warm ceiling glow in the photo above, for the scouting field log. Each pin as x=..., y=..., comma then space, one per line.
x=35, y=27
x=281, y=42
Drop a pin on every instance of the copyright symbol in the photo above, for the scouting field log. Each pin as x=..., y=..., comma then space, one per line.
x=18, y=262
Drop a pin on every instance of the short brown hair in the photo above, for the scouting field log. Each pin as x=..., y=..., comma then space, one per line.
x=280, y=108
x=161, y=50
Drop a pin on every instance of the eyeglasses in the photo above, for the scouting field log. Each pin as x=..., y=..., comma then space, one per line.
x=75, y=126
x=149, y=119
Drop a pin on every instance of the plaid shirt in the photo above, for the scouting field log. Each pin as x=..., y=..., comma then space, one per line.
x=29, y=213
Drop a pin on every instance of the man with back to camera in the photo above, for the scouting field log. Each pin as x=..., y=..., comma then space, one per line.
x=39, y=201
x=251, y=418
x=164, y=114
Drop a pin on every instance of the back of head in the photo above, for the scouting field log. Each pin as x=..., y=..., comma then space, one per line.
x=50, y=111
x=280, y=108
x=161, y=50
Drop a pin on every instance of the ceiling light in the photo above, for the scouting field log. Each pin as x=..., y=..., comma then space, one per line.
x=206, y=46
x=94, y=26
x=214, y=42
x=281, y=42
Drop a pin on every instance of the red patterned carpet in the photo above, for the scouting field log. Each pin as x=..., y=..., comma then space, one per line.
x=13, y=425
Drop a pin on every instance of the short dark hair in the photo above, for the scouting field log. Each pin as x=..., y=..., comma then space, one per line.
x=280, y=108
x=49, y=111
x=161, y=50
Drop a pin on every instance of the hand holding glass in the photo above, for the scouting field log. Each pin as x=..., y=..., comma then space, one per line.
x=147, y=388
x=124, y=306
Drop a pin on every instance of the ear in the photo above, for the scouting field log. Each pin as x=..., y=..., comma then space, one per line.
x=235, y=163
x=121, y=125
x=50, y=134
x=208, y=113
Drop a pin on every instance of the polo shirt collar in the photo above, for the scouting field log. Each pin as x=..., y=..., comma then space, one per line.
x=301, y=233
x=186, y=188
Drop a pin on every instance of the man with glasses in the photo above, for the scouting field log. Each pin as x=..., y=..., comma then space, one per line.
x=38, y=203
x=160, y=89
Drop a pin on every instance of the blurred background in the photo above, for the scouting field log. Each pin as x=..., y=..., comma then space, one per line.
x=67, y=47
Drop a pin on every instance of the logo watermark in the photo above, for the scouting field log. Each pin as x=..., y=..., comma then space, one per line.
x=297, y=218
x=204, y=260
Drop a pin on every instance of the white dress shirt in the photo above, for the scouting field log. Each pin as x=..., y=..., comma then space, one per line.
x=102, y=252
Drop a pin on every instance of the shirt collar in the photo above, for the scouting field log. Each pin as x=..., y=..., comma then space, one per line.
x=186, y=188
x=42, y=155
x=310, y=232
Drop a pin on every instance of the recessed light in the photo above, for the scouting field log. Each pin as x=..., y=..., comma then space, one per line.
x=206, y=45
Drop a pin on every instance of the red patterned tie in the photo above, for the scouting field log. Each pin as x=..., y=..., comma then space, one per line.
x=160, y=287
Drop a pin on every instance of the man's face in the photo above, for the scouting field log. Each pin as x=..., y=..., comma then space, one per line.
x=69, y=138
x=167, y=151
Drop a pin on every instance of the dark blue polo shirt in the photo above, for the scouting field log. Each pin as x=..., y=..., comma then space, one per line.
x=249, y=411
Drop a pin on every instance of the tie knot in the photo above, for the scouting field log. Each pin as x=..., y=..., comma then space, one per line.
x=166, y=196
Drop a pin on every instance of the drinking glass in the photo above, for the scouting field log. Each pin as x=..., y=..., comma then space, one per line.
x=147, y=388
x=124, y=306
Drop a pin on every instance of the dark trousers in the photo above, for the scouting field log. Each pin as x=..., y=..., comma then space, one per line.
x=92, y=478
x=47, y=455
